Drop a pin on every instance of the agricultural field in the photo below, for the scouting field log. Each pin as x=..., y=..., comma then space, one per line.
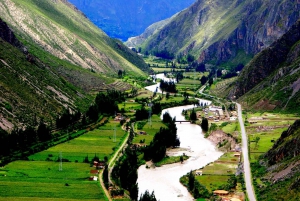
x=220, y=88
x=42, y=180
x=263, y=129
x=150, y=129
x=39, y=178
x=217, y=173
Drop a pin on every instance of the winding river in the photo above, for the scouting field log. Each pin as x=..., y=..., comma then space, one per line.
x=164, y=181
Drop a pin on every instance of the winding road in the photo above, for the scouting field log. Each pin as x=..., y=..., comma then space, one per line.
x=247, y=170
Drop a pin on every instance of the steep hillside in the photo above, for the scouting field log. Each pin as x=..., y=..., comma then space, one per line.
x=279, y=173
x=60, y=29
x=123, y=20
x=272, y=78
x=30, y=90
x=218, y=31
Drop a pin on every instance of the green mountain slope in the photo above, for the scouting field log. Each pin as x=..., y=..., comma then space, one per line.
x=277, y=177
x=31, y=91
x=60, y=29
x=52, y=59
x=218, y=31
x=272, y=78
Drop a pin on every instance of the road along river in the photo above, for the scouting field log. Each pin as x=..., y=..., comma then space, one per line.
x=164, y=181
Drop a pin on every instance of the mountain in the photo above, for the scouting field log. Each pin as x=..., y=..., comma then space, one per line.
x=220, y=31
x=53, y=59
x=60, y=29
x=272, y=79
x=278, y=171
x=149, y=31
x=123, y=20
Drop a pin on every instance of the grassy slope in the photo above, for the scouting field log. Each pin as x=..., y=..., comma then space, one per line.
x=25, y=87
x=64, y=32
x=266, y=187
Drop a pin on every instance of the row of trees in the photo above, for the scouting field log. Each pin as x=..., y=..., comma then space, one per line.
x=168, y=86
x=166, y=137
x=197, y=189
x=125, y=172
x=23, y=139
x=105, y=103
x=67, y=119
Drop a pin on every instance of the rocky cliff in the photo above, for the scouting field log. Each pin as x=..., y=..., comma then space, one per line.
x=217, y=31
x=272, y=78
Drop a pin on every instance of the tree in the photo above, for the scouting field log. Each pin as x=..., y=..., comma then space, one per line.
x=210, y=81
x=147, y=197
x=181, y=159
x=193, y=115
x=105, y=176
x=191, y=183
x=167, y=95
x=203, y=79
x=134, y=192
x=43, y=132
x=256, y=140
x=204, y=124
x=200, y=67
x=120, y=73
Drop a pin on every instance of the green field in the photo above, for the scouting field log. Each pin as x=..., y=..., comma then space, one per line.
x=268, y=130
x=39, y=178
x=98, y=141
x=151, y=130
x=42, y=180
x=212, y=182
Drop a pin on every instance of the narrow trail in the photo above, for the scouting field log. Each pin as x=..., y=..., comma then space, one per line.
x=110, y=167
x=247, y=169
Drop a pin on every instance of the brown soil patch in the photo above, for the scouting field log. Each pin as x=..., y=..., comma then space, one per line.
x=265, y=105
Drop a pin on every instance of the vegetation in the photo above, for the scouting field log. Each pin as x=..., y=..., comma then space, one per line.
x=166, y=137
x=147, y=197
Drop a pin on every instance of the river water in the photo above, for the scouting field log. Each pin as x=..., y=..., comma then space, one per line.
x=164, y=181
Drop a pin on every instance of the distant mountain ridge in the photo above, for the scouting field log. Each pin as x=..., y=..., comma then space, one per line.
x=218, y=31
x=122, y=20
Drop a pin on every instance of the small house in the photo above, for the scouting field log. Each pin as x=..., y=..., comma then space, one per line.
x=93, y=178
x=142, y=133
x=94, y=172
x=221, y=192
x=198, y=173
x=233, y=118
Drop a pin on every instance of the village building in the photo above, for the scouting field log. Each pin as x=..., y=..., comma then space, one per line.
x=198, y=173
x=93, y=178
x=233, y=118
x=99, y=165
x=142, y=132
x=221, y=192
x=94, y=172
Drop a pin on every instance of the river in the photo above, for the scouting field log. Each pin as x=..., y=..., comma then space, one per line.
x=164, y=181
